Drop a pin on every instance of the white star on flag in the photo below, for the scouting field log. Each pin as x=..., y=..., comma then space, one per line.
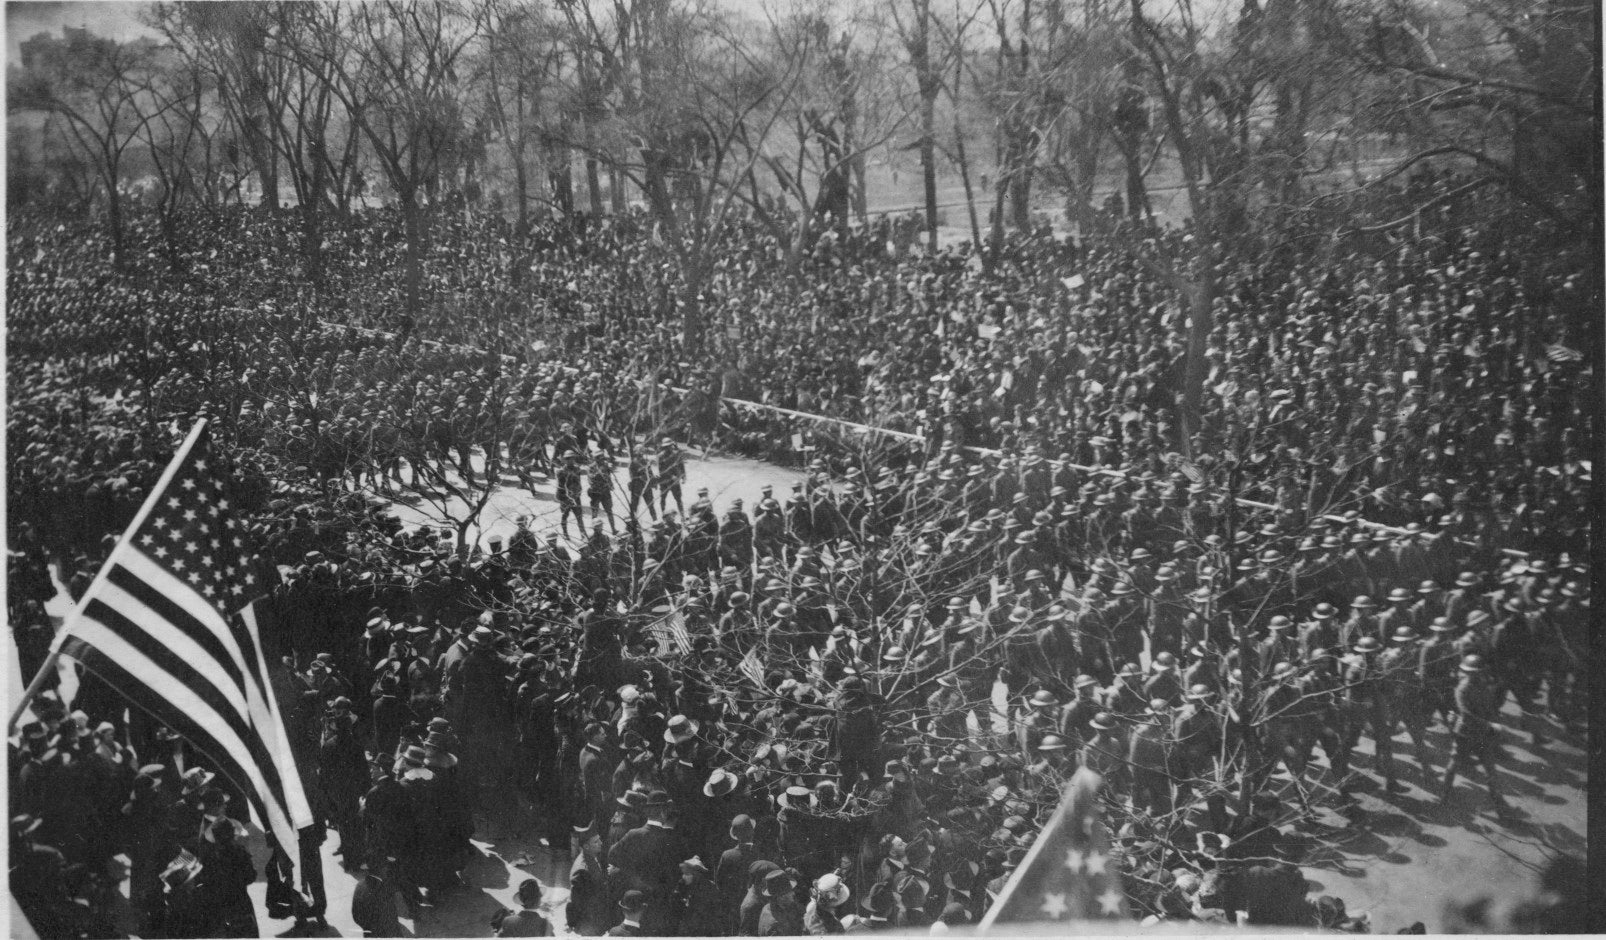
x=1054, y=905
x=1067, y=874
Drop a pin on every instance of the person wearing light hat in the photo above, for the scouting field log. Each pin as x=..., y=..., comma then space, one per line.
x=821, y=916
x=680, y=730
x=1477, y=740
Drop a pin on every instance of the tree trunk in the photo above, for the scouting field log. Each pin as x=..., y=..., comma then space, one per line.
x=114, y=220
x=594, y=186
x=928, y=165
x=616, y=190
x=521, y=189
x=414, y=223
x=970, y=193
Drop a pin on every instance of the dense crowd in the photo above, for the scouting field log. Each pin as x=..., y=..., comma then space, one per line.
x=852, y=706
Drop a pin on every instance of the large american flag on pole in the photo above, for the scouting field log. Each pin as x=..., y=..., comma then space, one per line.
x=168, y=623
x=1068, y=875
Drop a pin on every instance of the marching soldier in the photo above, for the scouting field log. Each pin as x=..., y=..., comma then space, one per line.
x=1477, y=705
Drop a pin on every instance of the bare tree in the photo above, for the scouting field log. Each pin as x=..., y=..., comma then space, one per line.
x=102, y=92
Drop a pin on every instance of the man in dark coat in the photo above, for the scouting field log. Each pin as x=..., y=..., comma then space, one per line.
x=731, y=874
x=646, y=856
x=782, y=915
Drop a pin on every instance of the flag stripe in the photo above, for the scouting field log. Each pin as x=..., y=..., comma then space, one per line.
x=272, y=728
x=240, y=639
x=145, y=569
x=230, y=632
x=128, y=672
x=164, y=669
x=143, y=605
x=169, y=654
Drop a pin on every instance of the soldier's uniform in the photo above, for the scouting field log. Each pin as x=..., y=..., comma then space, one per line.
x=1477, y=705
x=1366, y=697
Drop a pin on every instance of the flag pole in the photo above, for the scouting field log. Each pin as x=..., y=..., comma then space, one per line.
x=71, y=619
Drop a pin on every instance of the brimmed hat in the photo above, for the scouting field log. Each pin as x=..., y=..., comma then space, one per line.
x=795, y=797
x=777, y=883
x=1399, y=595
x=1103, y=721
x=1052, y=742
x=1043, y=698
x=1362, y=602
x=1367, y=644
x=633, y=900
x=1471, y=662
x=195, y=778
x=680, y=730
x=830, y=889
x=720, y=783
x=1466, y=579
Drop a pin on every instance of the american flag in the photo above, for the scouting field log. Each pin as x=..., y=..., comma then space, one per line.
x=1068, y=875
x=669, y=630
x=752, y=670
x=168, y=623
x=1556, y=352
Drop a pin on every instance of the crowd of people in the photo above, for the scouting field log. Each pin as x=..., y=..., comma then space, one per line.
x=848, y=707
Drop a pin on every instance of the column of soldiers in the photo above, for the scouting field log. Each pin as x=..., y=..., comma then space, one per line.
x=788, y=720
